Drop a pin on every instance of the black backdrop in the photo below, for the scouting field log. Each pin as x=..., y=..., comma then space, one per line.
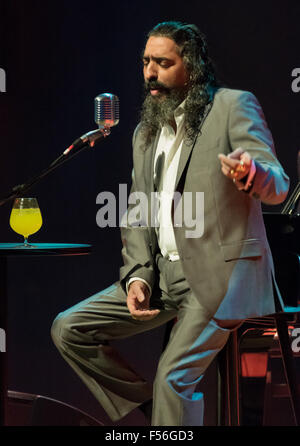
x=58, y=56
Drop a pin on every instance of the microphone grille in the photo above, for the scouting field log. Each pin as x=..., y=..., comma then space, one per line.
x=106, y=110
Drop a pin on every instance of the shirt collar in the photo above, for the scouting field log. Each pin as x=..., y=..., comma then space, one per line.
x=179, y=113
x=178, y=116
x=180, y=109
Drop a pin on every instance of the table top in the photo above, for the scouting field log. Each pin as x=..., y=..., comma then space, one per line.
x=58, y=249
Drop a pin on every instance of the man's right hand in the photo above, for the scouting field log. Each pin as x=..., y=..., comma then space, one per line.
x=138, y=299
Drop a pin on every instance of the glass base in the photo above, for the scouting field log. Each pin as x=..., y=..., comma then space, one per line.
x=27, y=246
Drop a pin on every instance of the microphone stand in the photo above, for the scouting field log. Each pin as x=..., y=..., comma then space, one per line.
x=87, y=140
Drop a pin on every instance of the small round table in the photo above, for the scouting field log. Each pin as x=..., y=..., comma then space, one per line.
x=17, y=250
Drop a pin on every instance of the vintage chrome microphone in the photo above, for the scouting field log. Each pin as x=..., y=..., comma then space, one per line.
x=106, y=116
x=106, y=110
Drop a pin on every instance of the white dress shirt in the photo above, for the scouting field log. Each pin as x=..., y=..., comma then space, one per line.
x=169, y=145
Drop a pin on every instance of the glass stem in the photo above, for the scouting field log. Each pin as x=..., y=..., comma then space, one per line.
x=26, y=240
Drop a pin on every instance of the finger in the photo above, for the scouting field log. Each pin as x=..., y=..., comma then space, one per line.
x=246, y=158
x=231, y=163
x=145, y=312
x=140, y=297
x=225, y=170
x=144, y=315
x=229, y=172
x=131, y=307
x=236, y=154
x=132, y=301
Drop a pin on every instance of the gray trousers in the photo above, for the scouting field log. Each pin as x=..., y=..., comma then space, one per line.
x=82, y=335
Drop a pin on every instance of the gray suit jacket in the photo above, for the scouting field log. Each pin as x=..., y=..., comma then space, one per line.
x=229, y=268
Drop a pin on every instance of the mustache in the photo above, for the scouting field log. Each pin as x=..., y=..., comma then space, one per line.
x=155, y=85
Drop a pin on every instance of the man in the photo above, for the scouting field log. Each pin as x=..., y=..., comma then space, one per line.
x=209, y=282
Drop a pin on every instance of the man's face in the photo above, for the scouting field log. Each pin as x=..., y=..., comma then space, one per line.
x=164, y=70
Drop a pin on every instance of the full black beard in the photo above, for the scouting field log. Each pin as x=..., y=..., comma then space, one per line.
x=158, y=110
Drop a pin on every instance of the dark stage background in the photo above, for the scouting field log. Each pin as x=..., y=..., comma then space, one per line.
x=58, y=55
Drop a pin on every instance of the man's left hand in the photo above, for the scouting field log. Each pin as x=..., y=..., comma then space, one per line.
x=236, y=165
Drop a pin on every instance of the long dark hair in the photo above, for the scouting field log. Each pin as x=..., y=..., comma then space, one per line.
x=202, y=78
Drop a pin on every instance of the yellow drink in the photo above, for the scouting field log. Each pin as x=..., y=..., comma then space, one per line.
x=26, y=221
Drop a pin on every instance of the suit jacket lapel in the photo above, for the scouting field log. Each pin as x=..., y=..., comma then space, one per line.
x=149, y=155
x=186, y=151
x=149, y=164
x=187, y=148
